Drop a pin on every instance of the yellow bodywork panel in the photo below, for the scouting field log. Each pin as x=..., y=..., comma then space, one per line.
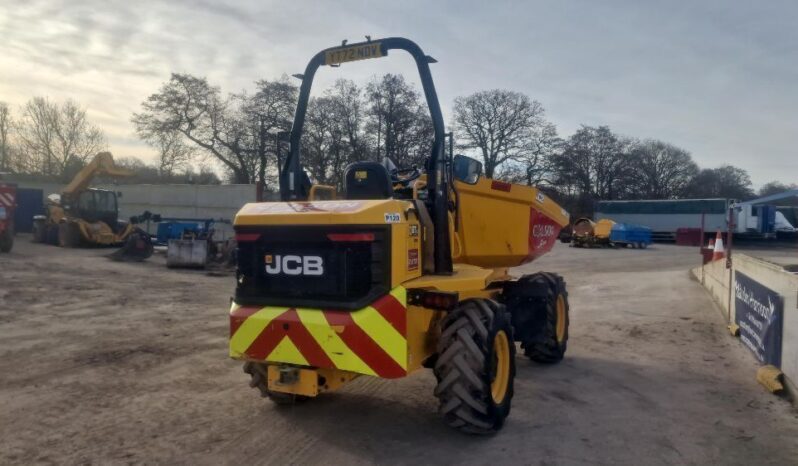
x=100, y=233
x=423, y=331
x=466, y=279
x=504, y=225
x=376, y=212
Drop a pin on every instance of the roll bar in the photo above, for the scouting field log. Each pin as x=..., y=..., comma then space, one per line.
x=294, y=184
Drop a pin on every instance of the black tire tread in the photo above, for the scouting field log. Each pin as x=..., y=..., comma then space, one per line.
x=68, y=235
x=549, y=350
x=461, y=370
x=39, y=232
x=7, y=239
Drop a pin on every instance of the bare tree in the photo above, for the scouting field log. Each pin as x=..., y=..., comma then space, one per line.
x=173, y=153
x=726, y=181
x=499, y=124
x=347, y=100
x=775, y=187
x=333, y=135
x=233, y=129
x=192, y=107
x=534, y=166
x=55, y=138
x=266, y=113
x=661, y=170
x=5, y=137
x=594, y=164
x=398, y=125
x=325, y=151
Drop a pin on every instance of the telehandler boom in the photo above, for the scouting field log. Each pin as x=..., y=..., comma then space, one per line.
x=408, y=269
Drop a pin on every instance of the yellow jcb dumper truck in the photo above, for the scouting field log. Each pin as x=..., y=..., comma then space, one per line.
x=83, y=216
x=407, y=270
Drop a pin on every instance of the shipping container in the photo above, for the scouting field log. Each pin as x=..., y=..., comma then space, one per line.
x=30, y=202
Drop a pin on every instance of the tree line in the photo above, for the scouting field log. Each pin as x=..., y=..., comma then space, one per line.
x=245, y=132
x=51, y=141
x=190, y=123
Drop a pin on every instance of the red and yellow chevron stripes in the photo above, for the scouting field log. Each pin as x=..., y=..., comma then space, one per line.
x=369, y=341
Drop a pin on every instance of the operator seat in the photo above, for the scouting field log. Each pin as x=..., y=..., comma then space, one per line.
x=367, y=180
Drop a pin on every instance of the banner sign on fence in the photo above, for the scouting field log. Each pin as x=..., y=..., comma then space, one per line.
x=759, y=311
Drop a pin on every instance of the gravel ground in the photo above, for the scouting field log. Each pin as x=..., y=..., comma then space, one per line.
x=106, y=362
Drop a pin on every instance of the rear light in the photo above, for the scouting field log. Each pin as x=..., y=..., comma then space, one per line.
x=441, y=300
x=350, y=237
x=245, y=237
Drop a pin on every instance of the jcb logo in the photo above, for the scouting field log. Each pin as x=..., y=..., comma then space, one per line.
x=312, y=266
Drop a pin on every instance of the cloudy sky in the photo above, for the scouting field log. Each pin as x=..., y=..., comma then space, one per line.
x=717, y=78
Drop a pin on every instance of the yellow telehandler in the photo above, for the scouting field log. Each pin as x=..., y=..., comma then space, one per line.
x=408, y=269
x=83, y=216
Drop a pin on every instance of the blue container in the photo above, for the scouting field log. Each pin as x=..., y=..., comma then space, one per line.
x=174, y=228
x=30, y=202
x=629, y=234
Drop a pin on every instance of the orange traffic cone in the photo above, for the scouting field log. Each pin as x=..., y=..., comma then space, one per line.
x=711, y=244
x=719, y=252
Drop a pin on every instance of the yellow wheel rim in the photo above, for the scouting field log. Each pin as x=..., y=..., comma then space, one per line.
x=560, y=318
x=501, y=350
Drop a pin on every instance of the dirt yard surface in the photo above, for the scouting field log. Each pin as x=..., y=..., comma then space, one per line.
x=106, y=362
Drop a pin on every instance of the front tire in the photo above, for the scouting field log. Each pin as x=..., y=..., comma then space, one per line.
x=539, y=306
x=551, y=348
x=475, y=367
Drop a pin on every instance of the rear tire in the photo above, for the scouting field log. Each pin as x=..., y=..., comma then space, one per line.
x=475, y=367
x=259, y=379
x=68, y=235
x=39, y=231
x=7, y=239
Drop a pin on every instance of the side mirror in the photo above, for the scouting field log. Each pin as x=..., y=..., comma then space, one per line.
x=466, y=169
x=119, y=194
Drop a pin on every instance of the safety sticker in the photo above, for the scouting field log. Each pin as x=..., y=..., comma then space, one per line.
x=412, y=259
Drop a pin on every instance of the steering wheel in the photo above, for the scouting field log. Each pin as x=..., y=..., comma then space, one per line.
x=405, y=175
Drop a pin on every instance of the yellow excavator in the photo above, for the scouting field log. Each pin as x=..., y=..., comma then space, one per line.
x=405, y=269
x=83, y=216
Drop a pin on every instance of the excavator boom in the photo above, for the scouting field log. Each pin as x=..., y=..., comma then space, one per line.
x=101, y=165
